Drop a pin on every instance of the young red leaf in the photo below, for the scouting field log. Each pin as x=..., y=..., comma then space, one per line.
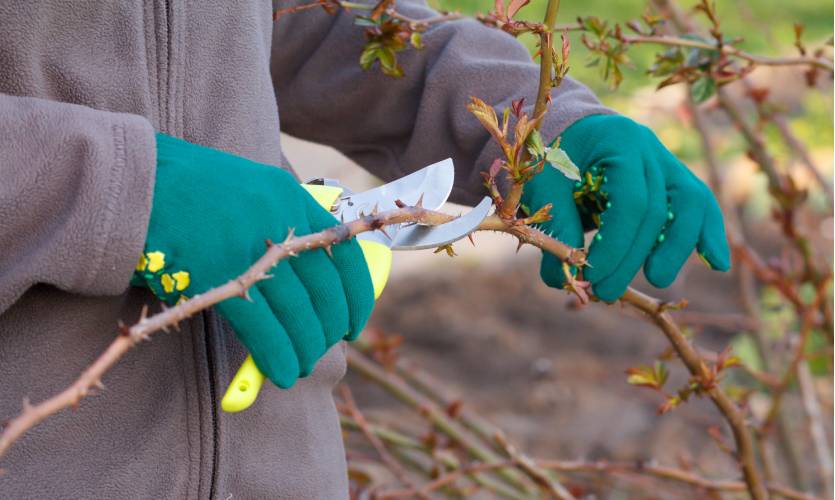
x=514, y=7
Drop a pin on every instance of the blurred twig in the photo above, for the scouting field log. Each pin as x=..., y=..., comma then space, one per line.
x=668, y=473
x=823, y=452
x=393, y=465
x=443, y=422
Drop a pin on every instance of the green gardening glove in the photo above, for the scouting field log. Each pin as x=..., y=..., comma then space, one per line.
x=211, y=214
x=650, y=209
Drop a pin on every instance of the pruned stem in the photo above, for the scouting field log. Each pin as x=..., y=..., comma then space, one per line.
x=546, y=68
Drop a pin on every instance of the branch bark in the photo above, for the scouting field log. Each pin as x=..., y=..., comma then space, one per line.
x=90, y=378
x=731, y=51
x=546, y=67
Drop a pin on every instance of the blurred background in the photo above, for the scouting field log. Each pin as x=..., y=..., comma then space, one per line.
x=552, y=376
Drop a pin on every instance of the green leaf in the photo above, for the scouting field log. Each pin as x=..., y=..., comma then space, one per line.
x=818, y=362
x=653, y=377
x=388, y=63
x=745, y=349
x=559, y=159
x=700, y=57
x=661, y=373
x=534, y=143
x=416, y=40
x=702, y=89
x=364, y=21
x=595, y=25
x=370, y=53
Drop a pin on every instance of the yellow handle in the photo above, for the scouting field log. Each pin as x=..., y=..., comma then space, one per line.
x=244, y=388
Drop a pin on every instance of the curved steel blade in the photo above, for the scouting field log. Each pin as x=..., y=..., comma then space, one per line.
x=433, y=183
x=417, y=237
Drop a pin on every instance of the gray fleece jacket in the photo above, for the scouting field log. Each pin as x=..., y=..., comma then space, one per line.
x=83, y=86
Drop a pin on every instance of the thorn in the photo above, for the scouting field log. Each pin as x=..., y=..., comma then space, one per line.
x=519, y=246
x=269, y=243
x=382, y=229
x=375, y=209
x=419, y=203
x=124, y=330
x=98, y=385
x=244, y=294
x=143, y=315
x=27, y=406
x=290, y=234
x=328, y=250
x=399, y=203
x=470, y=237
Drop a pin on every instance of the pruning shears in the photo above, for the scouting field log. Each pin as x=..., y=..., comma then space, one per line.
x=430, y=186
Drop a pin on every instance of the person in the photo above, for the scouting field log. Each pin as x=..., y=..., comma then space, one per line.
x=138, y=145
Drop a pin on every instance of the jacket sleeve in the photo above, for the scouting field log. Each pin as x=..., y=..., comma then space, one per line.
x=75, y=195
x=394, y=126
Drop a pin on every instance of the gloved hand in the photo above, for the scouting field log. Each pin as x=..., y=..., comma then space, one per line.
x=650, y=209
x=211, y=214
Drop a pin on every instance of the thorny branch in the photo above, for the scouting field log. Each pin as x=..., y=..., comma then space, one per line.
x=517, y=470
x=673, y=41
x=730, y=50
x=31, y=415
x=129, y=337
